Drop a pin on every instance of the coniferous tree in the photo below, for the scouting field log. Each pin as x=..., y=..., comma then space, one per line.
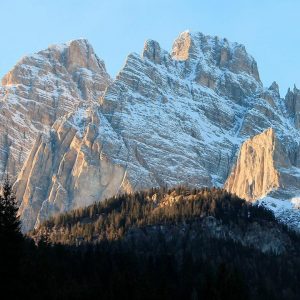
x=10, y=236
x=9, y=221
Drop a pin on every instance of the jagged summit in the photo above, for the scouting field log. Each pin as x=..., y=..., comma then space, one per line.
x=205, y=51
x=80, y=54
x=41, y=88
x=215, y=51
x=167, y=119
x=63, y=46
x=72, y=55
x=153, y=52
x=275, y=88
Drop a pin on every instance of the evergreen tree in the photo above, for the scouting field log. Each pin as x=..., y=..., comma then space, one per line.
x=10, y=236
x=9, y=221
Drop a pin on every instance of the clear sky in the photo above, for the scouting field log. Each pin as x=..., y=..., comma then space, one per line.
x=269, y=29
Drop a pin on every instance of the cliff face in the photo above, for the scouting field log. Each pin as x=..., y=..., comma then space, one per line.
x=265, y=171
x=167, y=119
x=42, y=88
x=67, y=169
x=255, y=173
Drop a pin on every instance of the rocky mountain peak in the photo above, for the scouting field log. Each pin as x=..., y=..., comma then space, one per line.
x=80, y=54
x=153, y=51
x=166, y=119
x=214, y=51
x=73, y=56
x=274, y=87
x=292, y=102
x=181, y=46
x=41, y=88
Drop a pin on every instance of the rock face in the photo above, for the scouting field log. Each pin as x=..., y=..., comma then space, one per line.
x=264, y=172
x=67, y=169
x=40, y=89
x=167, y=119
x=255, y=174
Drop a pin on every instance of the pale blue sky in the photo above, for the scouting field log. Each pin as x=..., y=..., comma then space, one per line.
x=268, y=28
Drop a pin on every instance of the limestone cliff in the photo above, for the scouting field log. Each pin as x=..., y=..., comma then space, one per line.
x=255, y=173
x=40, y=89
x=68, y=169
x=167, y=119
x=265, y=172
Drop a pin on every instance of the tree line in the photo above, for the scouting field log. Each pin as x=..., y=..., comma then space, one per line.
x=112, y=218
x=147, y=245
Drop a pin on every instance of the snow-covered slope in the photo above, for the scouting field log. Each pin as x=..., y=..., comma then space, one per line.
x=40, y=89
x=167, y=119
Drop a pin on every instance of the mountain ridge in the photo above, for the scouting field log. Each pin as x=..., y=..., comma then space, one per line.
x=166, y=119
x=41, y=88
x=214, y=212
x=175, y=243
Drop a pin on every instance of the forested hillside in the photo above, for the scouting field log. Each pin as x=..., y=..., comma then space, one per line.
x=181, y=207
x=172, y=244
x=156, y=244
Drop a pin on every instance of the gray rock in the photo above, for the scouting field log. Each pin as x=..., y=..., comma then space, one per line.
x=167, y=119
x=42, y=88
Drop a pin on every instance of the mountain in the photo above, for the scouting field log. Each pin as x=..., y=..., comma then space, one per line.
x=266, y=166
x=184, y=117
x=40, y=89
